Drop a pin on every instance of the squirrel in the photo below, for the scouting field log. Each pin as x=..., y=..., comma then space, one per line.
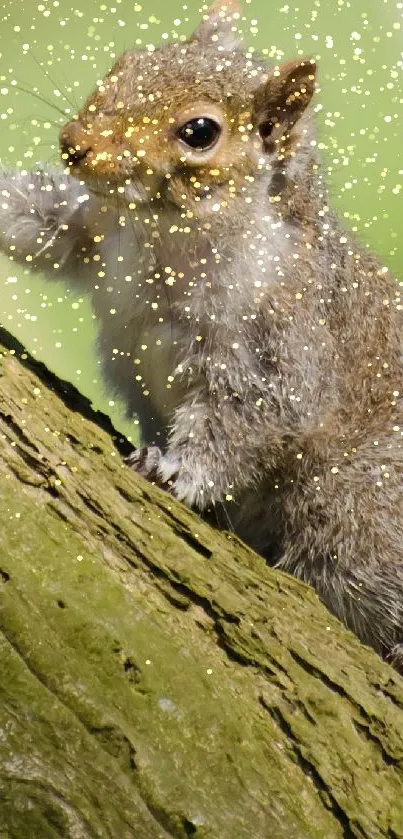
x=258, y=344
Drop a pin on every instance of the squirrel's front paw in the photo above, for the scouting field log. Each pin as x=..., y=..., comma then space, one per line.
x=145, y=461
x=167, y=472
x=152, y=464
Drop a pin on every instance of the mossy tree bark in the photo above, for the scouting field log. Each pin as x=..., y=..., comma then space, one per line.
x=156, y=678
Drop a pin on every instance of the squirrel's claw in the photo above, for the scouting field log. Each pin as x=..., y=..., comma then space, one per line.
x=145, y=462
x=164, y=470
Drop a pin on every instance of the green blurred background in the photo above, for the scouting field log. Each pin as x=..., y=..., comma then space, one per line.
x=57, y=51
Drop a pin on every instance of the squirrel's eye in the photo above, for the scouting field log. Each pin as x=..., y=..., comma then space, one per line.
x=266, y=128
x=200, y=133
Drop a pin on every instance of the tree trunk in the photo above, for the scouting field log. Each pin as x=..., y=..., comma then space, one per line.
x=157, y=679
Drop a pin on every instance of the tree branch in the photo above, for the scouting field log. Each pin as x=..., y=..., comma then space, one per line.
x=157, y=679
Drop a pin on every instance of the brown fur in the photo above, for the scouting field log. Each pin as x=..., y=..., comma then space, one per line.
x=270, y=366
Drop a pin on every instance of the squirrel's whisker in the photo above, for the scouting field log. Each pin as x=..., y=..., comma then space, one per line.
x=42, y=99
x=47, y=75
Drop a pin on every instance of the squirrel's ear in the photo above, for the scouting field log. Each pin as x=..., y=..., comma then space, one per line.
x=218, y=26
x=286, y=93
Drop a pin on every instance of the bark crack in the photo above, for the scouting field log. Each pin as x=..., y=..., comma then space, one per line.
x=308, y=768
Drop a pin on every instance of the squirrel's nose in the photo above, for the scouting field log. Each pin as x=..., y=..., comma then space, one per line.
x=74, y=143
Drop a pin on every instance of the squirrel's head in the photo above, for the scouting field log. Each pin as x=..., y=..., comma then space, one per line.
x=194, y=123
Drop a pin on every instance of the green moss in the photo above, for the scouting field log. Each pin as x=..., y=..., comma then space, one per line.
x=157, y=678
